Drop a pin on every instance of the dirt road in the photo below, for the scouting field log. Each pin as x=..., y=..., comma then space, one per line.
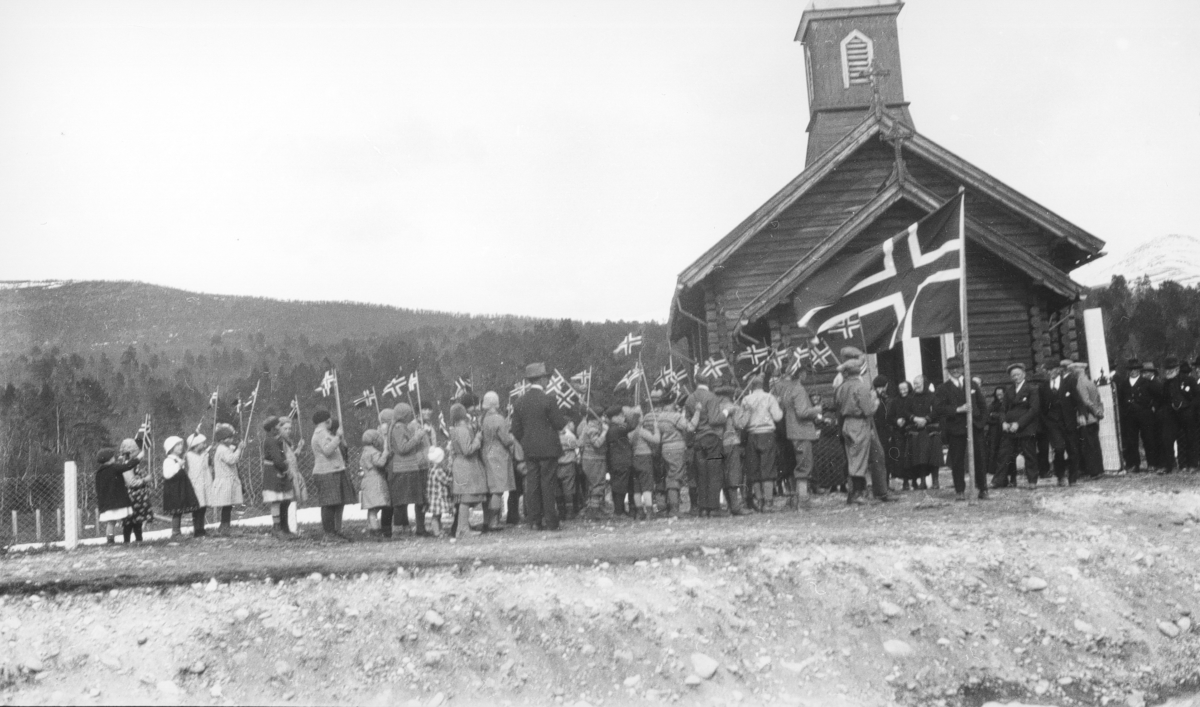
x=1066, y=597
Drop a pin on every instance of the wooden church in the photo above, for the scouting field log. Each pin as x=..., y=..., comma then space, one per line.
x=868, y=175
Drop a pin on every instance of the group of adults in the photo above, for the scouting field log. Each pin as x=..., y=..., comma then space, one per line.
x=1159, y=416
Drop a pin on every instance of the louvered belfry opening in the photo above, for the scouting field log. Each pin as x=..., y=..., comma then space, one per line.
x=858, y=59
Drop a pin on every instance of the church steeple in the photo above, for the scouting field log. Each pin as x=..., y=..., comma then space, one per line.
x=843, y=41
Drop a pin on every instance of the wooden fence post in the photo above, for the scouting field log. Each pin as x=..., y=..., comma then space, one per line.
x=71, y=504
x=16, y=528
x=37, y=524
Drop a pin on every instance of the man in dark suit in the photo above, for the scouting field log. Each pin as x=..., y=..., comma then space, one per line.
x=950, y=404
x=1146, y=396
x=1019, y=428
x=1174, y=416
x=1060, y=422
x=1125, y=382
x=536, y=422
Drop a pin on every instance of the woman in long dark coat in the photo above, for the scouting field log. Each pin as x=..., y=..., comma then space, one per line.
x=924, y=455
x=897, y=414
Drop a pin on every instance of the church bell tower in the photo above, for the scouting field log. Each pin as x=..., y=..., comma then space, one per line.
x=851, y=56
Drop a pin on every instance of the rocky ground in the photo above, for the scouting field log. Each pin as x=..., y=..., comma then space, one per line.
x=1081, y=596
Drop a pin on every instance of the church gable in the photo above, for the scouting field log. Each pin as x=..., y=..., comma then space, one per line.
x=790, y=237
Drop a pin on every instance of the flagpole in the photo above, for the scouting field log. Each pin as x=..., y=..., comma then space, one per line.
x=299, y=430
x=418, y=392
x=337, y=395
x=966, y=339
x=253, y=403
x=376, y=399
x=216, y=406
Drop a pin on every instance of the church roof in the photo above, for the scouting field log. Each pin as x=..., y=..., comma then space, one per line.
x=971, y=177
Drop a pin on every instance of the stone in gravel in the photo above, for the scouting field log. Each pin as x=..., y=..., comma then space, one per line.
x=12, y=623
x=112, y=661
x=956, y=604
x=215, y=691
x=1084, y=626
x=897, y=648
x=315, y=577
x=1042, y=687
x=1066, y=680
x=1035, y=584
x=1083, y=553
x=212, y=585
x=507, y=666
x=625, y=655
x=1137, y=698
x=632, y=680
x=1168, y=629
x=282, y=668
x=1184, y=623
x=588, y=649
x=241, y=614
x=604, y=582
x=434, y=619
x=167, y=687
x=197, y=668
x=890, y=610
x=432, y=658
x=631, y=615
x=437, y=700
x=32, y=665
x=692, y=680
x=297, y=633
x=141, y=641
x=704, y=666
x=943, y=641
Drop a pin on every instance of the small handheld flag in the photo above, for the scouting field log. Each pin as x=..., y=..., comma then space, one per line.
x=462, y=386
x=327, y=383
x=249, y=404
x=630, y=378
x=396, y=386
x=847, y=327
x=367, y=399
x=294, y=412
x=519, y=389
x=823, y=355
x=583, y=379
x=212, y=400
x=756, y=355
x=628, y=344
x=714, y=367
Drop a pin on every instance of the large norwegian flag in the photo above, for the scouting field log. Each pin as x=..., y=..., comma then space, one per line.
x=904, y=288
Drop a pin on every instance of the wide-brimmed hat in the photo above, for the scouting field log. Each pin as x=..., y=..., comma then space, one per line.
x=535, y=370
x=1133, y=364
x=1079, y=364
x=1011, y=366
x=1149, y=366
x=850, y=352
x=954, y=362
x=1171, y=362
x=196, y=440
x=1065, y=363
x=725, y=390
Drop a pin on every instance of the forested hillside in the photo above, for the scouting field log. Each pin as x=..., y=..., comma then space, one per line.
x=75, y=390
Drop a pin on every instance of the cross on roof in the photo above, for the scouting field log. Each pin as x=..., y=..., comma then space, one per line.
x=873, y=74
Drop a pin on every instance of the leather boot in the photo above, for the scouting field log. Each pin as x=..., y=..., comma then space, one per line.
x=767, y=493
x=737, y=504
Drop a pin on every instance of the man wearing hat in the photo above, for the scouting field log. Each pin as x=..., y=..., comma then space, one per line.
x=1145, y=405
x=1061, y=408
x=536, y=422
x=800, y=417
x=708, y=453
x=1018, y=428
x=856, y=403
x=950, y=404
x=1131, y=417
x=1174, y=417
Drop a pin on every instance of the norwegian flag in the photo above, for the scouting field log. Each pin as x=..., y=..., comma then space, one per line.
x=907, y=287
x=327, y=383
x=628, y=344
x=630, y=378
x=367, y=399
x=212, y=400
x=519, y=389
x=462, y=386
x=144, y=431
x=414, y=383
x=294, y=411
x=847, y=327
x=756, y=355
x=396, y=386
x=714, y=367
x=799, y=355
x=778, y=359
x=667, y=378
x=822, y=355
x=565, y=399
x=583, y=379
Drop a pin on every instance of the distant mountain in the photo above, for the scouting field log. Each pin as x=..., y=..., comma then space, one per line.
x=96, y=315
x=1173, y=257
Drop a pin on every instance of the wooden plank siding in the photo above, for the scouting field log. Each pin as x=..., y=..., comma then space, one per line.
x=766, y=256
x=983, y=209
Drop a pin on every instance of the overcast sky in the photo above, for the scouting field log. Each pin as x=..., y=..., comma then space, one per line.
x=556, y=158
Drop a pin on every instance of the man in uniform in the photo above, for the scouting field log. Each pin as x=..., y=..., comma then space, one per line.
x=1060, y=422
x=951, y=406
x=856, y=403
x=1019, y=428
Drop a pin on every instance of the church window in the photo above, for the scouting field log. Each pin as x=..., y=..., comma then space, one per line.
x=857, y=54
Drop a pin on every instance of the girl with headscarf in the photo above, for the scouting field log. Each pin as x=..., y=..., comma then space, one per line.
x=227, y=486
x=924, y=435
x=496, y=446
x=139, y=489
x=408, y=476
x=276, y=477
x=372, y=470
x=334, y=489
x=200, y=474
x=112, y=491
x=470, y=476
x=178, y=496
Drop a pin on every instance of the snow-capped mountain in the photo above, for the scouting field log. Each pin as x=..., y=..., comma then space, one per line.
x=1173, y=257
